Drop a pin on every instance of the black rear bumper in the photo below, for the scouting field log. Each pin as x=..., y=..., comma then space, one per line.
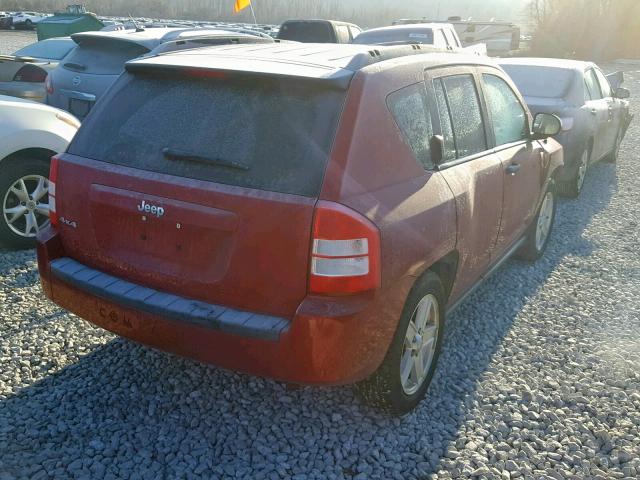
x=173, y=307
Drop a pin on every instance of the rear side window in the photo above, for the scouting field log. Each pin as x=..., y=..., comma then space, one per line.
x=605, y=86
x=102, y=58
x=507, y=115
x=267, y=134
x=465, y=114
x=410, y=111
x=343, y=34
x=451, y=38
x=355, y=31
x=439, y=40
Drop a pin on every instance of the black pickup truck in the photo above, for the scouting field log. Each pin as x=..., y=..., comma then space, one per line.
x=318, y=31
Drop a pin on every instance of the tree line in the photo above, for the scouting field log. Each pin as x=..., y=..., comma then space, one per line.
x=586, y=29
x=366, y=13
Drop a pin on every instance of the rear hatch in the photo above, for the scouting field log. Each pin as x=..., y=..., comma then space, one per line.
x=89, y=69
x=202, y=186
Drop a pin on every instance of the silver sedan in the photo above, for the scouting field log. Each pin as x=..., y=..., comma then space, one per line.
x=593, y=107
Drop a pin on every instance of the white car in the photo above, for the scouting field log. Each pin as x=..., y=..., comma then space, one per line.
x=27, y=19
x=30, y=134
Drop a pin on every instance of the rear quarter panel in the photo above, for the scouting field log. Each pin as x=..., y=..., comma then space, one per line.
x=373, y=171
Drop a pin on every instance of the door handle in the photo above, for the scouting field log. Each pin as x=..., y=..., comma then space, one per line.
x=594, y=111
x=513, y=168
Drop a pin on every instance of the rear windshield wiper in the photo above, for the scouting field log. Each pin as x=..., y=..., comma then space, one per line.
x=173, y=154
x=76, y=66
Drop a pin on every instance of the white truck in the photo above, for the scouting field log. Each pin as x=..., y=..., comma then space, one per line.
x=500, y=37
x=439, y=35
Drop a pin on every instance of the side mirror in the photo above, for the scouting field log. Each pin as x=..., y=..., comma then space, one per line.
x=436, y=145
x=622, y=93
x=545, y=125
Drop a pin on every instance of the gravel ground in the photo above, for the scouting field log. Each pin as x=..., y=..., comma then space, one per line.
x=12, y=40
x=539, y=378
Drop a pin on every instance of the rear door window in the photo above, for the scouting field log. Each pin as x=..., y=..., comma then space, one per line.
x=410, y=111
x=465, y=114
x=102, y=57
x=269, y=134
x=508, y=117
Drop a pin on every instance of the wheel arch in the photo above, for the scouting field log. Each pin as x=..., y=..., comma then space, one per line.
x=35, y=153
x=446, y=268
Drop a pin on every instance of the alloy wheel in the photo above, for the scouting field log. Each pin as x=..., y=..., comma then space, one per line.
x=582, y=170
x=419, y=344
x=25, y=206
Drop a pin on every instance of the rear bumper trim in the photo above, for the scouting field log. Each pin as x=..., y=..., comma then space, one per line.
x=170, y=306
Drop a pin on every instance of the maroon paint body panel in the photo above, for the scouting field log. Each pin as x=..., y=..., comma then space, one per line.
x=224, y=232
x=250, y=249
x=478, y=189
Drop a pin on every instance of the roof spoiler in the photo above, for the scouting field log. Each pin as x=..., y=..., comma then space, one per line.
x=337, y=80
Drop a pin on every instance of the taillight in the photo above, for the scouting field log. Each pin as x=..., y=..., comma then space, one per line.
x=48, y=84
x=345, y=254
x=30, y=73
x=53, y=178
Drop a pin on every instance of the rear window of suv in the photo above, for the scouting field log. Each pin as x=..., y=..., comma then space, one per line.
x=404, y=35
x=101, y=57
x=265, y=134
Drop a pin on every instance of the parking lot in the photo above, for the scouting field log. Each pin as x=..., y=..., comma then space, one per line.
x=539, y=377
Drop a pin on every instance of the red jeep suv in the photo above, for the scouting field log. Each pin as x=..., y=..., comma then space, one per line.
x=303, y=212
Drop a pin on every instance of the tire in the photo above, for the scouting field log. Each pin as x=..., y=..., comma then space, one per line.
x=612, y=157
x=534, y=246
x=572, y=188
x=28, y=24
x=384, y=389
x=12, y=222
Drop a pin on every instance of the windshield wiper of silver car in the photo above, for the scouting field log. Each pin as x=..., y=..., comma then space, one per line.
x=173, y=154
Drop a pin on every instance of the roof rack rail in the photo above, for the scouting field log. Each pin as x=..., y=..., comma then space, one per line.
x=384, y=53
